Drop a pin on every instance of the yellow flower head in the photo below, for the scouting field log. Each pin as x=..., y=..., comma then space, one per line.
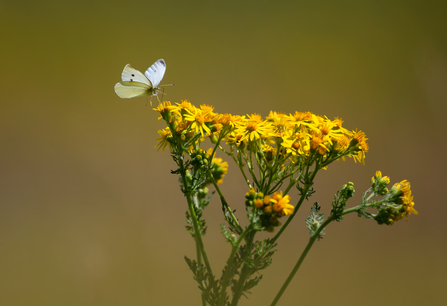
x=254, y=128
x=181, y=126
x=280, y=121
x=379, y=183
x=219, y=169
x=208, y=109
x=361, y=139
x=281, y=204
x=186, y=105
x=258, y=203
x=399, y=190
x=299, y=116
x=166, y=107
x=297, y=143
x=198, y=119
x=230, y=120
x=408, y=205
x=162, y=142
x=255, y=117
x=341, y=143
x=401, y=200
x=315, y=143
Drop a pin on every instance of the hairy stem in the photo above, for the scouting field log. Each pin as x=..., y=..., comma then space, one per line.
x=230, y=264
x=198, y=238
x=300, y=260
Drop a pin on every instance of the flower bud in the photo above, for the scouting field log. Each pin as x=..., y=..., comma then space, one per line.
x=258, y=203
x=268, y=209
x=213, y=139
x=267, y=200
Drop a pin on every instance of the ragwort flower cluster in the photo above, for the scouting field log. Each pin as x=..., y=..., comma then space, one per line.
x=291, y=137
x=268, y=151
x=396, y=203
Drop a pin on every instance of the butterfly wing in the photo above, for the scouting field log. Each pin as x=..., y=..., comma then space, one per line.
x=128, y=89
x=156, y=72
x=130, y=74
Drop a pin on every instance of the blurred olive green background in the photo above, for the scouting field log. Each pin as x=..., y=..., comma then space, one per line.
x=89, y=212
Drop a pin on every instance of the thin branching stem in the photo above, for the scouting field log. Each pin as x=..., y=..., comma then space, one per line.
x=244, y=271
x=300, y=260
x=224, y=202
x=199, y=242
x=230, y=264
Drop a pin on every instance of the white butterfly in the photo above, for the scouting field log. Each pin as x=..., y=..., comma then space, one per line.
x=136, y=84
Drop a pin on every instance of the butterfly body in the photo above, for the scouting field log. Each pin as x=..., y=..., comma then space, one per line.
x=136, y=84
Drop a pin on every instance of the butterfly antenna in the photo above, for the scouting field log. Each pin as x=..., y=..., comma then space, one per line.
x=166, y=85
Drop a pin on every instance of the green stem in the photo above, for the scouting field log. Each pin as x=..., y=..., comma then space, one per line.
x=250, y=169
x=292, y=183
x=224, y=202
x=306, y=250
x=224, y=281
x=239, y=163
x=300, y=260
x=245, y=271
x=199, y=255
x=271, y=168
x=199, y=244
x=261, y=167
x=298, y=205
x=283, y=228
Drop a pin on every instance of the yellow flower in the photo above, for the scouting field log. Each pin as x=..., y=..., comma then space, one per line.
x=322, y=150
x=399, y=190
x=280, y=121
x=219, y=169
x=163, y=140
x=341, y=143
x=315, y=143
x=208, y=109
x=329, y=130
x=230, y=120
x=361, y=139
x=254, y=128
x=166, y=107
x=198, y=119
x=325, y=129
x=234, y=138
x=338, y=123
x=258, y=203
x=400, y=194
x=186, y=105
x=181, y=126
x=379, y=179
x=359, y=146
x=267, y=200
x=251, y=192
x=299, y=116
x=408, y=205
x=268, y=209
x=297, y=143
x=281, y=204
x=255, y=117
x=379, y=183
